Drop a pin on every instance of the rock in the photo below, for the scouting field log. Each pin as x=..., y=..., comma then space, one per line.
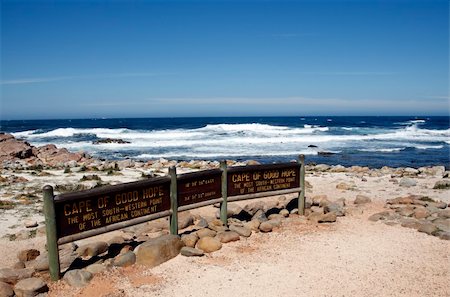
x=96, y=268
x=275, y=216
x=315, y=201
x=276, y=222
x=284, y=213
x=92, y=249
x=242, y=231
x=314, y=216
x=18, y=265
x=28, y=255
x=428, y=228
x=217, y=225
x=77, y=277
x=328, y=218
x=336, y=208
x=421, y=213
x=410, y=223
x=159, y=250
x=12, y=276
x=11, y=148
x=408, y=171
x=361, y=199
x=260, y=216
x=185, y=219
x=444, y=235
x=30, y=223
x=252, y=162
x=442, y=224
x=407, y=182
x=6, y=290
x=252, y=225
x=254, y=207
x=66, y=258
x=206, y=232
x=227, y=236
x=190, y=240
x=125, y=260
x=110, y=140
x=406, y=211
x=209, y=244
x=379, y=216
x=266, y=226
x=321, y=168
x=202, y=223
x=30, y=287
x=191, y=252
x=444, y=213
x=442, y=184
x=344, y=186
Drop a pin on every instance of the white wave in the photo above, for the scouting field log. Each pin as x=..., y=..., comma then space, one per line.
x=426, y=147
x=384, y=150
x=24, y=134
x=348, y=128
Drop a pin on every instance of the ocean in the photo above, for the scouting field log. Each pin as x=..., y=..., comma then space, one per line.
x=364, y=141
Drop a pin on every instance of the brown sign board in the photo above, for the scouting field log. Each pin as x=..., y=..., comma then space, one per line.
x=245, y=180
x=87, y=210
x=199, y=186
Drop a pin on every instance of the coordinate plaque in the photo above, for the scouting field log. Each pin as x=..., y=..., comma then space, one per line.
x=262, y=178
x=96, y=208
x=199, y=186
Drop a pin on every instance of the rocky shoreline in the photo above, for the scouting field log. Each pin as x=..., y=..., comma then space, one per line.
x=409, y=197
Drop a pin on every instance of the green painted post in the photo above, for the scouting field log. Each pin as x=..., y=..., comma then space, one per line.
x=301, y=195
x=173, y=201
x=52, y=239
x=223, y=205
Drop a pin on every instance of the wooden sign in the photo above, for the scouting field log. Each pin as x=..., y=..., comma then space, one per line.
x=87, y=210
x=262, y=178
x=199, y=186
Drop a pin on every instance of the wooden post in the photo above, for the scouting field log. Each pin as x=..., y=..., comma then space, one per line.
x=173, y=201
x=50, y=228
x=301, y=195
x=223, y=205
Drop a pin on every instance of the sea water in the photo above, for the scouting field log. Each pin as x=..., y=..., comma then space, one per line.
x=365, y=141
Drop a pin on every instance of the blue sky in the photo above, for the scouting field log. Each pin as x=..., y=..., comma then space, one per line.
x=82, y=59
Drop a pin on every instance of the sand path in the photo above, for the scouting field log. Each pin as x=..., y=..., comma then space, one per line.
x=353, y=257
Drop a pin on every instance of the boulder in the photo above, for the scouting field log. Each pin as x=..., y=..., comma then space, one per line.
x=445, y=214
x=125, y=259
x=190, y=240
x=159, y=250
x=361, y=199
x=315, y=201
x=92, y=249
x=242, y=231
x=379, y=216
x=327, y=218
x=266, y=227
x=77, y=277
x=205, y=232
x=191, y=252
x=335, y=208
x=227, y=236
x=260, y=216
x=217, y=225
x=442, y=184
x=344, y=186
x=185, y=219
x=252, y=225
x=6, y=290
x=421, y=213
x=12, y=276
x=28, y=255
x=428, y=228
x=96, y=268
x=410, y=223
x=209, y=244
x=407, y=182
x=442, y=224
x=30, y=287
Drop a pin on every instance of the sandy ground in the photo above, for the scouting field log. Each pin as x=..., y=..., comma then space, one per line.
x=352, y=257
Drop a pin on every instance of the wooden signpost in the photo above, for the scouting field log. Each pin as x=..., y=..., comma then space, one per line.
x=77, y=215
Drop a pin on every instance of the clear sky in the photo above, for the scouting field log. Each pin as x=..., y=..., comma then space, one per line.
x=80, y=59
